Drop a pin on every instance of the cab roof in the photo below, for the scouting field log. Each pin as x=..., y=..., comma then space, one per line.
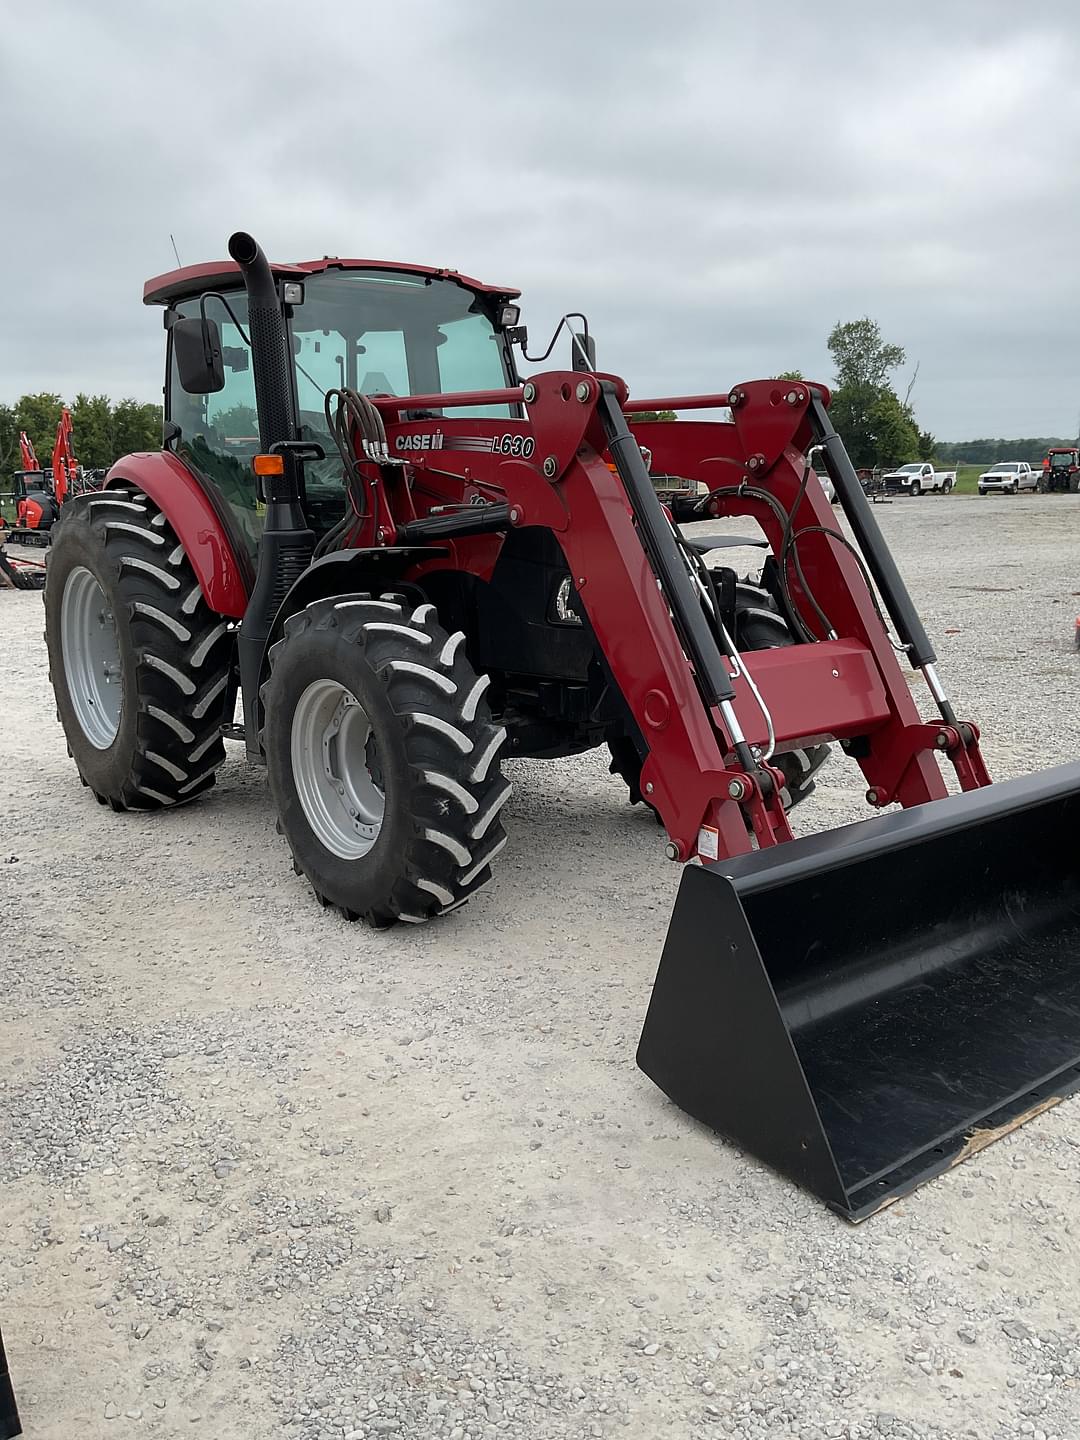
x=192, y=280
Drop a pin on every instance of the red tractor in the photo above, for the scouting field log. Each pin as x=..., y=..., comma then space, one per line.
x=1061, y=471
x=413, y=565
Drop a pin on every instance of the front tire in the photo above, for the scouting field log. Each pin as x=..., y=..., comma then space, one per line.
x=383, y=760
x=916, y=489
x=139, y=665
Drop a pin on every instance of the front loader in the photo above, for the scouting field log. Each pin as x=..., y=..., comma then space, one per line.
x=410, y=564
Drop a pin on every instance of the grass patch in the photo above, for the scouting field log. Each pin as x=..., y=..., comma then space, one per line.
x=967, y=478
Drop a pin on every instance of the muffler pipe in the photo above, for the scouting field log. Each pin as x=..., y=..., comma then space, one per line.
x=286, y=544
x=269, y=351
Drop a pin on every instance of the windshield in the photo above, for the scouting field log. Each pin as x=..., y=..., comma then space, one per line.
x=1009, y=469
x=385, y=333
x=909, y=470
x=1063, y=457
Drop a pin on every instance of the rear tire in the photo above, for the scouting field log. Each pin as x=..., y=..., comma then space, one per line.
x=758, y=626
x=383, y=760
x=139, y=664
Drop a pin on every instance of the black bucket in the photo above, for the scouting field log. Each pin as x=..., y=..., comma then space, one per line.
x=9, y=1413
x=865, y=1008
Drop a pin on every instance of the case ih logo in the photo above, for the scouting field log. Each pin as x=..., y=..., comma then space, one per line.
x=432, y=440
x=518, y=447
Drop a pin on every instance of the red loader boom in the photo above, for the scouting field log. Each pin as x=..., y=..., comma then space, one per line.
x=434, y=562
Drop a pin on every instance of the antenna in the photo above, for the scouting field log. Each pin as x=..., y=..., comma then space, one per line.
x=175, y=251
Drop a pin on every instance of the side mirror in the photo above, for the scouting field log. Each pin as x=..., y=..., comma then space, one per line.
x=197, y=349
x=582, y=352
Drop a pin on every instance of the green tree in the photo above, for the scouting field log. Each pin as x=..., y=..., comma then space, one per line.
x=790, y=375
x=862, y=358
x=91, y=422
x=653, y=415
x=39, y=416
x=135, y=427
x=875, y=425
x=9, y=445
x=927, y=445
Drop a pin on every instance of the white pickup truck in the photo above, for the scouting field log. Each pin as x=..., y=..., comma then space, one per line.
x=1008, y=477
x=917, y=479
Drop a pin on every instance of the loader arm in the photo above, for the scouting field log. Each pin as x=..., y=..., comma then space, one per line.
x=846, y=683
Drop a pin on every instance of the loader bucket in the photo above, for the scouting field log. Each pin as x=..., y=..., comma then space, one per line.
x=865, y=1008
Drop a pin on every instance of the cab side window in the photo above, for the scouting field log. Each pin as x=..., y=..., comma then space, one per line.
x=219, y=433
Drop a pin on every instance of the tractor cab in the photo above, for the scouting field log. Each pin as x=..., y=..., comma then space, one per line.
x=31, y=482
x=368, y=326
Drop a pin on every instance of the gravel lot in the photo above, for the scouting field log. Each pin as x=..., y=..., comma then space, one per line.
x=263, y=1172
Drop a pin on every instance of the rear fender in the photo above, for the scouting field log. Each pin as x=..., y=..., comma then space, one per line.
x=347, y=572
x=221, y=566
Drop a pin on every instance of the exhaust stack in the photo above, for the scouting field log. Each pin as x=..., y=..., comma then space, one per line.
x=286, y=544
x=269, y=352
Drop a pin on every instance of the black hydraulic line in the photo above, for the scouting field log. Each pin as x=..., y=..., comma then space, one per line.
x=879, y=560
x=669, y=566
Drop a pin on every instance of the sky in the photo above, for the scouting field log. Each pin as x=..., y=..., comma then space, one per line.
x=714, y=184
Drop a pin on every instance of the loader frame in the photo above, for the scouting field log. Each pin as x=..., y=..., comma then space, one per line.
x=573, y=465
x=694, y=718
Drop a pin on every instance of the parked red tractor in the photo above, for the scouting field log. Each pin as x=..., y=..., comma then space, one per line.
x=413, y=565
x=1061, y=471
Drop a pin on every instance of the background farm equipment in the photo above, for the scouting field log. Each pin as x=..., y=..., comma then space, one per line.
x=17, y=573
x=32, y=507
x=411, y=564
x=1061, y=473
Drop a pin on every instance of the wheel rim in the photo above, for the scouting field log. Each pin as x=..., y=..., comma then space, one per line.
x=92, y=664
x=333, y=759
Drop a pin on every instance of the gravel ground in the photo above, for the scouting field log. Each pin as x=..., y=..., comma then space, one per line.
x=263, y=1172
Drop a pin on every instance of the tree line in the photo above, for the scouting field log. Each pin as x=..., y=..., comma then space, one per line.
x=103, y=430
x=988, y=452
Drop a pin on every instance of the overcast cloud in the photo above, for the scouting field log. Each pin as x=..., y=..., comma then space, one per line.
x=715, y=184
